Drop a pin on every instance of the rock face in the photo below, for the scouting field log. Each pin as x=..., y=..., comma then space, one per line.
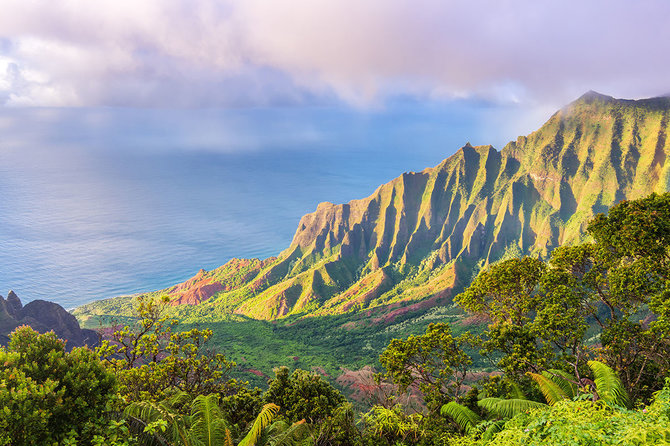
x=42, y=316
x=425, y=235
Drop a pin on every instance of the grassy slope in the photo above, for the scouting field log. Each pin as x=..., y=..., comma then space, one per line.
x=355, y=269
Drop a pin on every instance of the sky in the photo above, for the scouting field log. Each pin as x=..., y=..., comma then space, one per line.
x=361, y=54
x=283, y=103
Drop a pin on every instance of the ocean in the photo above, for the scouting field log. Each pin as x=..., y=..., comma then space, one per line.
x=101, y=202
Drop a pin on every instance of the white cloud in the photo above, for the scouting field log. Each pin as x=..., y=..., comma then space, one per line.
x=259, y=52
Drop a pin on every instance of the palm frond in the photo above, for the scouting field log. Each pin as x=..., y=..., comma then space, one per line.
x=489, y=403
x=493, y=429
x=207, y=423
x=608, y=385
x=144, y=410
x=516, y=392
x=177, y=399
x=552, y=392
x=263, y=419
x=136, y=428
x=148, y=412
x=564, y=380
x=508, y=408
x=464, y=417
x=288, y=435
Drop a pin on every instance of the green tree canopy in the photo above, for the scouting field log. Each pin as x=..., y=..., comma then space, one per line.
x=434, y=361
x=152, y=359
x=303, y=395
x=544, y=315
x=48, y=395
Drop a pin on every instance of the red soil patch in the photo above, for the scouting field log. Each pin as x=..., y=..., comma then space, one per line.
x=431, y=302
x=320, y=370
x=360, y=382
x=195, y=290
x=362, y=388
x=475, y=320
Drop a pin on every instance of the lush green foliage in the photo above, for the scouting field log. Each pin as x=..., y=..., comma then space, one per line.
x=151, y=360
x=434, y=361
x=578, y=340
x=195, y=423
x=584, y=422
x=303, y=395
x=51, y=396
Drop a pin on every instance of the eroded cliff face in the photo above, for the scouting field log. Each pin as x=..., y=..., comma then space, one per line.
x=425, y=235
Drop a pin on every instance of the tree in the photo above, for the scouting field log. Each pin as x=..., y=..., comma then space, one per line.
x=48, y=395
x=303, y=395
x=507, y=293
x=151, y=359
x=241, y=407
x=633, y=243
x=618, y=283
x=434, y=361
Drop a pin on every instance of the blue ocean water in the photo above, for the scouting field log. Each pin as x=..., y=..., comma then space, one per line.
x=97, y=202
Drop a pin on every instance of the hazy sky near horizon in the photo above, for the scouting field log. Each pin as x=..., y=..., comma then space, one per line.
x=142, y=140
x=261, y=53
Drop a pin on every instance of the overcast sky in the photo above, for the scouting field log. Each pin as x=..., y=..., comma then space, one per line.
x=250, y=53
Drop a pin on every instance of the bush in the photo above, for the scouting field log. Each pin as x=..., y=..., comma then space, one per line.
x=49, y=396
x=303, y=395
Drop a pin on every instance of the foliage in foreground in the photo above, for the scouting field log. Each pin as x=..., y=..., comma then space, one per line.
x=51, y=396
x=585, y=422
x=577, y=340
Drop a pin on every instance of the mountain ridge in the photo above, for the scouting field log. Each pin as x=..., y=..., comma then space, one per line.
x=424, y=235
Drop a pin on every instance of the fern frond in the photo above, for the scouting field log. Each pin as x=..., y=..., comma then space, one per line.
x=177, y=399
x=492, y=430
x=143, y=410
x=288, y=435
x=136, y=428
x=552, y=392
x=564, y=380
x=148, y=412
x=263, y=419
x=464, y=417
x=517, y=393
x=608, y=385
x=208, y=426
x=508, y=408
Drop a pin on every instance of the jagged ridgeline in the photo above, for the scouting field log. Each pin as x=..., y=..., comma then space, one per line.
x=423, y=236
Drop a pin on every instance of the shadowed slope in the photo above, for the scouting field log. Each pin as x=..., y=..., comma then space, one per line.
x=426, y=234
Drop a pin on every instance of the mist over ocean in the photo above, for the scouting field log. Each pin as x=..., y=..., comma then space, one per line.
x=100, y=202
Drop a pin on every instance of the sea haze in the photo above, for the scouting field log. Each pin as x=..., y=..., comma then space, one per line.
x=96, y=203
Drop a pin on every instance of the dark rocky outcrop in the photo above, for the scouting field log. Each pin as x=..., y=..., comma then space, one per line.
x=42, y=316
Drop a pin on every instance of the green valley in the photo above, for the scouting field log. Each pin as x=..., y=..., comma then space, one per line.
x=359, y=274
x=499, y=298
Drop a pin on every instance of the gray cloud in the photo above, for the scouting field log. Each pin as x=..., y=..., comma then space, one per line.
x=255, y=52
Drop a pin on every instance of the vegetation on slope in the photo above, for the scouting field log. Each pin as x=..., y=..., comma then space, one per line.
x=360, y=274
x=580, y=344
x=422, y=235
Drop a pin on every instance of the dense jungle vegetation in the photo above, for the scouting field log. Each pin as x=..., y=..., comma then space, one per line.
x=580, y=345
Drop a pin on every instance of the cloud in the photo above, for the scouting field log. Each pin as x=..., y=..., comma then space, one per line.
x=239, y=53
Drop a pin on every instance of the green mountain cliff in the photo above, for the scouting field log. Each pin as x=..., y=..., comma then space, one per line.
x=424, y=235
